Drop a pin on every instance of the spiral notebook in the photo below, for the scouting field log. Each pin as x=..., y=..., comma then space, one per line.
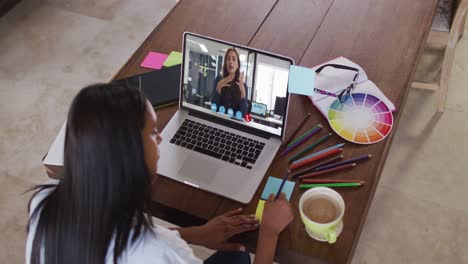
x=365, y=117
x=334, y=80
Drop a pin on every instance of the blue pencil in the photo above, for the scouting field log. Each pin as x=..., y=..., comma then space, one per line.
x=316, y=143
x=285, y=177
x=318, y=153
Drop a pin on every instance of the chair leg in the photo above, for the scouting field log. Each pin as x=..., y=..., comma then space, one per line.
x=457, y=27
x=461, y=29
x=444, y=78
x=461, y=26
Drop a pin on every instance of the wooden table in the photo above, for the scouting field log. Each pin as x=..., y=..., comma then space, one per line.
x=385, y=37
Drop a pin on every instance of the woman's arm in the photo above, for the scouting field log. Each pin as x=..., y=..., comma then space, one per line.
x=190, y=234
x=276, y=217
x=242, y=86
x=266, y=247
x=242, y=90
x=244, y=107
x=215, y=233
x=215, y=96
x=219, y=86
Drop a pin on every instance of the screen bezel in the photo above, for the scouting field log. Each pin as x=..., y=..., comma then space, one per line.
x=181, y=88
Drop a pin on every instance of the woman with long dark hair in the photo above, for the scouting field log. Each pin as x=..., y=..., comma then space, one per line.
x=97, y=212
x=230, y=90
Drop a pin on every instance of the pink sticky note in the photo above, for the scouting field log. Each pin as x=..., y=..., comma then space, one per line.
x=154, y=60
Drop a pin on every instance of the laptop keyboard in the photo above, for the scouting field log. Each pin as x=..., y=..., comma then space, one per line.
x=218, y=143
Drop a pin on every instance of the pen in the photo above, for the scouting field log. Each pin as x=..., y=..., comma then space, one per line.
x=285, y=177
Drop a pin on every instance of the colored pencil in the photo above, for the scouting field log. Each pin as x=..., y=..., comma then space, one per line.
x=302, y=140
x=295, y=131
x=342, y=184
x=303, y=135
x=344, y=162
x=315, y=158
x=326, y=162
x=329, y=181
x=285, y=177
x=316, y=143
x=319, y=152
x=310, y=175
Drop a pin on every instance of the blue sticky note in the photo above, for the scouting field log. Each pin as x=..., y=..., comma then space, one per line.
x=301, y=80
x=272, y=187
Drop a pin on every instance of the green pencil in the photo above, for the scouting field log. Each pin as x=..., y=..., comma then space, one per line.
x=305, y=134
x=347, y=184
x=311, y=146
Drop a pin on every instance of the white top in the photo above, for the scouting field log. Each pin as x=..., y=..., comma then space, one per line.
x=165, y=246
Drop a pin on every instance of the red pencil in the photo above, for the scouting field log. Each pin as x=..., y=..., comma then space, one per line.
x=351, y=165
x=330, y=181
x=315, y=158
x=323, y=163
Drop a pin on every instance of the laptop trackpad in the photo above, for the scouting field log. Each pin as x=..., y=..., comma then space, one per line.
x=198, y=170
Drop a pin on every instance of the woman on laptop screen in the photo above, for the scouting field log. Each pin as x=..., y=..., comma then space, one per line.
x=229, y=89
x=98, y=211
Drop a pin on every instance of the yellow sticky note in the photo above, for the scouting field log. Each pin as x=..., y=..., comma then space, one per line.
x=259, y=211
x=174, y=58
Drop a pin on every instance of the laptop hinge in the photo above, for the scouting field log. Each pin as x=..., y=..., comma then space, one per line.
x=233, y=125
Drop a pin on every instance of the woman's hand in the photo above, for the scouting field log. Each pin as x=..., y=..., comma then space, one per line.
x=218, y=230
x=240, y=84
x=224, y=82
x=241, y=78
x=277, y=215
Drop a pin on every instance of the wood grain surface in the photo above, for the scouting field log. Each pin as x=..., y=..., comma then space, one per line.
x=385, y=37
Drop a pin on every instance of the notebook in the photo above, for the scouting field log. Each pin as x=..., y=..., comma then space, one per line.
x=365, y=117
x=161, y=87
x=334, y=80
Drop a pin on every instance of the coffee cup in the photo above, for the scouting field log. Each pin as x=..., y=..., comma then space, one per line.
x=322, y=211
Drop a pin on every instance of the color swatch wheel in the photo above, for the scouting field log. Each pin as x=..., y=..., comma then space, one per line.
x=362, y=118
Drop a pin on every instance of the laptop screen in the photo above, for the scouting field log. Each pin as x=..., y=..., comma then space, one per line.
x=235, y=83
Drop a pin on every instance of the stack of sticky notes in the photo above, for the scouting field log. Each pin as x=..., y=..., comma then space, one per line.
x=156, y=60
x=272, y=186
x=301, y=80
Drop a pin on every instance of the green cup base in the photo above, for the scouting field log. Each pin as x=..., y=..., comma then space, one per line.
x=321, y=238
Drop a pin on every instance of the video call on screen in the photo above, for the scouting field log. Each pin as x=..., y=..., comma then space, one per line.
x=242, y=85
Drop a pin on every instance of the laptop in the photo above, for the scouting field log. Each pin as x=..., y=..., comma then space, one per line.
x=211, y=143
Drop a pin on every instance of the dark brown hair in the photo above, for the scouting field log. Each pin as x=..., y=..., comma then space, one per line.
x=103, y=194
